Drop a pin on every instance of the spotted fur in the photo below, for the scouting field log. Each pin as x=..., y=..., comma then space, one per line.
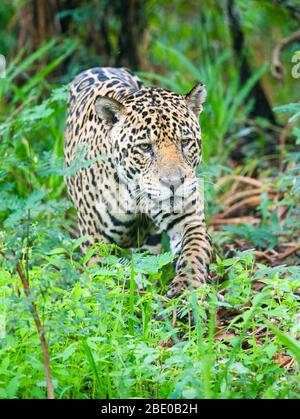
x=141, y=148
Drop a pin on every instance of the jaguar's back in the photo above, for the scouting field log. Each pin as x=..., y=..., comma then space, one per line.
x=116, y=83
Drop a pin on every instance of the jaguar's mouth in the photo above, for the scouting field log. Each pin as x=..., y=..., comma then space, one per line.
x=164, y=193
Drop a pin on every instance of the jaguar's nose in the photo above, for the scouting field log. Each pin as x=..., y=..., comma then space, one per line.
x=172, y=182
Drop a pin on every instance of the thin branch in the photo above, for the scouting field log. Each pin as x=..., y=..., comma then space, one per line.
x=277, y=67
x=40, y=330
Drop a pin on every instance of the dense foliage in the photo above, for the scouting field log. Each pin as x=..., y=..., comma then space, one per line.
x=237, y=337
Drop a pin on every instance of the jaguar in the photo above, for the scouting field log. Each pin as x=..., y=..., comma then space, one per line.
x=138, y=148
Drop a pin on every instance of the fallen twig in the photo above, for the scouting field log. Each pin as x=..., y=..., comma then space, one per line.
x=239, y=178
x=264, y=255
x=216, y=220
x=289, y=252
x=243, y=194
x=252, y=201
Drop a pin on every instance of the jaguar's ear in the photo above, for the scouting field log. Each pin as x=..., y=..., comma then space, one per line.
x=110, y=110
x=195, y=98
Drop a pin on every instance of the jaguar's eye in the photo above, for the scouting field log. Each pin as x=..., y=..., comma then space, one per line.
x=146, y=147
x=185, y=142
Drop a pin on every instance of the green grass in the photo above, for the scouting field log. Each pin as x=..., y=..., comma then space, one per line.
x=106, y=339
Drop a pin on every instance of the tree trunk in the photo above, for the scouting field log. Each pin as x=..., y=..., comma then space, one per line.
x=261, y=106
x=133, y=24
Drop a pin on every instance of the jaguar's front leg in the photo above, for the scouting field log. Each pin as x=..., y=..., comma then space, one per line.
x=193, y=244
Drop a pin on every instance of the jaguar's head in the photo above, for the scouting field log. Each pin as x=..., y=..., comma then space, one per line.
x=156, y=140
